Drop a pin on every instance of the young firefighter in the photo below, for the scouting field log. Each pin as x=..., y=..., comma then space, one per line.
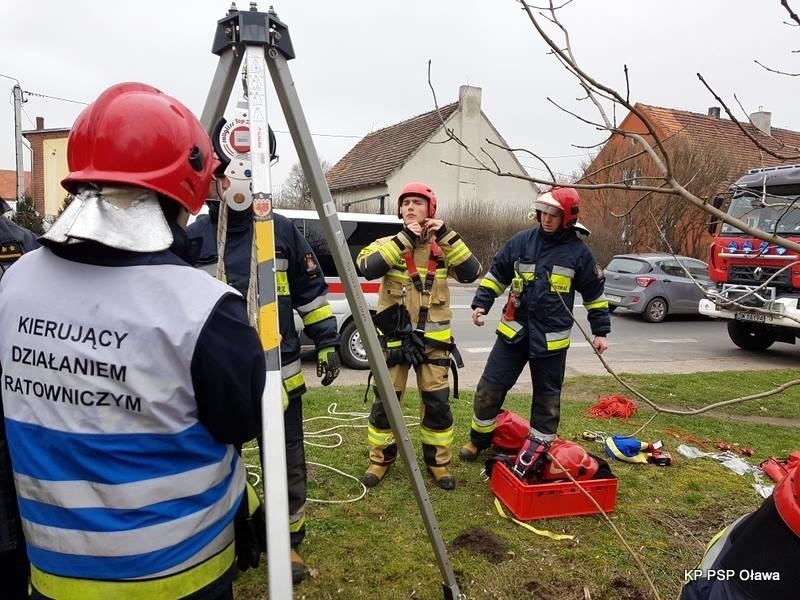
x=415, y=265
x=301, y=286
x=14, y=568
x=544, y=267
x=128, y=376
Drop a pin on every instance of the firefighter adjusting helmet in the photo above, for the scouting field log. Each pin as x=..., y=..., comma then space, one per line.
x=787, y=499
x=560, y=200
x=135, y=135
x=573, y=459
x=416, y=188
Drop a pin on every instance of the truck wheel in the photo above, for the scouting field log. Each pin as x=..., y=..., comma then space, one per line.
x=352, y=351
x=750, y=336
x=655, y=311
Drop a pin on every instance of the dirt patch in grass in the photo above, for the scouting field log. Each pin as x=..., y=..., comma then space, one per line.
x=624, y=589
x=483, y=543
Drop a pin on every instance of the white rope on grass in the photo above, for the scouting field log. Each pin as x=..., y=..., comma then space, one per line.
x=347, y=420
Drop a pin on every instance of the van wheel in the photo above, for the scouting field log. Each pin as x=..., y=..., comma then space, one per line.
x=655, y=311
x=352, y=352
x=750, y=336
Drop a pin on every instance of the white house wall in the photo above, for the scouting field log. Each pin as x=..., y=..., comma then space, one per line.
x=426, y=165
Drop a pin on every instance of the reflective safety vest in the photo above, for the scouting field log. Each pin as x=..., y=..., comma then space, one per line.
x=117, y=478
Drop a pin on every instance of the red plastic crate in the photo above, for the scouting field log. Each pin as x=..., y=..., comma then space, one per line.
x=549, y=500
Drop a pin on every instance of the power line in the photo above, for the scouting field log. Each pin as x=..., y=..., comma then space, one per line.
x=56, y=98
x=9, y=77
x=332, y=135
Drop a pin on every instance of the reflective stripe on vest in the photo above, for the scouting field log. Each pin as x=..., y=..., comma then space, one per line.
x=117, y=478
x=175, y=586
x=561, y=279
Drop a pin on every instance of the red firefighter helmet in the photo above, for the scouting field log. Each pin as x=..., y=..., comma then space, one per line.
x=787, y=499
x=135, y=135
x=416, y=188
x=573, y=459
x=563, y=199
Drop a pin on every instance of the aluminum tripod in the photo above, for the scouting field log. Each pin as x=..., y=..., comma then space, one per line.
x=264, y=40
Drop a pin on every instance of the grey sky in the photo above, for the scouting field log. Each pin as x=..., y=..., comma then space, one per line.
x=362, y=65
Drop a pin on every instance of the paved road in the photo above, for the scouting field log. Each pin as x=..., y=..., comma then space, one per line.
x=680, y=344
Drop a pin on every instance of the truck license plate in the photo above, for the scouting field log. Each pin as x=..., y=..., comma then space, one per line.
x=756, y=317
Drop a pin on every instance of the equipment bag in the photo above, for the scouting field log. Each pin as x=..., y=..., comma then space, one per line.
x=511, y=432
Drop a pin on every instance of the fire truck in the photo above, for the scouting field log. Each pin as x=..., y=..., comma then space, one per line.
x=758, y=283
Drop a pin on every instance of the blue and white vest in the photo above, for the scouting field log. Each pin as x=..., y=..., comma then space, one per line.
x=117, y=479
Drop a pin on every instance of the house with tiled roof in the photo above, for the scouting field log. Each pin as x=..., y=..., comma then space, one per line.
x=8, y=186
x=708, y=153
x=370, y=176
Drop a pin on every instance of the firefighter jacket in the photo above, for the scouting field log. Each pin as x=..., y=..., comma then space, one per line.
x=433, y=263
x=14, y=242
x=128, y=380
x=299, y=281
x=754, y=557
x=543, y=272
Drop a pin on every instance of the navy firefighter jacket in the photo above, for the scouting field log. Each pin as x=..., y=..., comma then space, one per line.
x=542, y=270
x=299, y=281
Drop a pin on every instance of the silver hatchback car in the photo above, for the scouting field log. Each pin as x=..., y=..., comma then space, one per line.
x=656, y=285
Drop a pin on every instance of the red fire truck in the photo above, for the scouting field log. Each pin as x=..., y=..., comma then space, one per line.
x=762, y=279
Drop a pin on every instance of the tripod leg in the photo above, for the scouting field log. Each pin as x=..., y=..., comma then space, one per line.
x=221, y=87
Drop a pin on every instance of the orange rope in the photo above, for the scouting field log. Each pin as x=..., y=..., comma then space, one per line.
x=608, y=407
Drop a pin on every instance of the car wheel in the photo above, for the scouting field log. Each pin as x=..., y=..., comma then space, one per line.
x=655, y=311
x=352, y=351
x=750, y=336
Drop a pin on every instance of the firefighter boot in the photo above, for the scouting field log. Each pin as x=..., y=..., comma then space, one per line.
x=298, y=567
x=374, y=475
x=443, y=478
x=469, y=452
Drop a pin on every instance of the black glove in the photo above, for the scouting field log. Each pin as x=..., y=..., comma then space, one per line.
x=328, y=364
x=413, y=349
x=250, y=531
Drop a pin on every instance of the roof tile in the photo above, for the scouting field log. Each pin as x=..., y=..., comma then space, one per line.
x=745, y=155
x=378, y=154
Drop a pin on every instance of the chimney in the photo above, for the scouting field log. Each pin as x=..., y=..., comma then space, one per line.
x=469, y=105
x=39, y=123
x=762, y=120
x=713, y=111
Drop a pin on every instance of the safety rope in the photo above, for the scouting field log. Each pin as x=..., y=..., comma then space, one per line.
x=348, y=420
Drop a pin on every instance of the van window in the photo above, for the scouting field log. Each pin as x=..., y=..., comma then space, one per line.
x=358, y=235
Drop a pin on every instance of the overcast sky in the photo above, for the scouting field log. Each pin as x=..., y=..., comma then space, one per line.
x=362, y=65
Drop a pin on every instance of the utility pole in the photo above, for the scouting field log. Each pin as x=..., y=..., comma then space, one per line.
x=18, y=142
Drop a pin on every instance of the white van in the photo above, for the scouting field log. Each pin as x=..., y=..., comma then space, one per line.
x=360, y=229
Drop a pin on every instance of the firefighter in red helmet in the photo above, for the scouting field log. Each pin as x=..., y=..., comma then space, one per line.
x=542, y=268
x=129, y=481
x=756, y=556
x=414, y=266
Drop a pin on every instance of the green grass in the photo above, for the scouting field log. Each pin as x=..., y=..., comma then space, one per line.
x=377, y=547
